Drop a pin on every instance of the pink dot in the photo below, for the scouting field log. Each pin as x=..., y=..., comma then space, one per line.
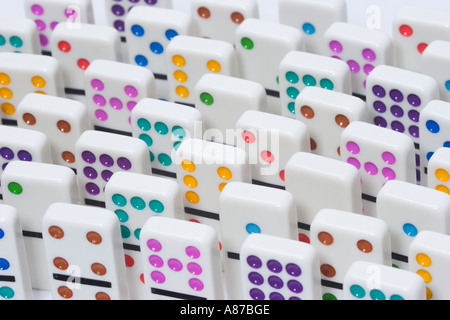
x=267, y=156
x=53, y=25
x=175, y=264
x=156, y=261
x=43, y=40
x=196, y=284
x=336, y=46
x=41, y=25
x=131, y=91
x=192, y=252
x=116, y=103
x=371, y=168
x=101, y=115
x=131, y=105
x=97, y=85
x=388, y=173
x=369, y=55
x=354, y=162
x=248, y=137
x=99, y=100
x=352, y=147
x=354, y=66
x=158, y=277
x=368, y=68
x=194, y=268
x=388, y=157
x=154, y=245
x=37, y=10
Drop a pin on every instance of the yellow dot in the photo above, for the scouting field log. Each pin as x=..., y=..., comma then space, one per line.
x=4, y=79
x=443, y=188
x=190, y=181
x=182, y=92
x=38, y=82
x=442, y=175
x=188, y=165
x=425, y=275
x=179, y=61
x=5, y=93
x=213, y=66
x=192, y=197
x=8, y=108
x=224, y=173
x=429, y=293
x=221, y=186
x=180, y=76
x=40, y=92
x=423, y=260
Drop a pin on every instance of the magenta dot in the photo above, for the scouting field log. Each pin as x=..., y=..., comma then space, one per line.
x=131, y=91
x=175, y=264
x=336, y=46
x=192, y=252
x=336, y=57
x=369, y=55
x=99, y=100
x=43, y=40
x=354, y=162
x=116, y=103
x=101, y=115
x=41, y=25
x=354, y=66
x=154, y=245
x=70, y=13
x=158, y=277
x=196, y=284
x=53, y=25
x=97, y=85
x=388, y=173
x=388, y=157
x=131, y=105
x=371, y=168
x=156, y=261
x=194, y=268
x=352, y=147
x=368, y=68
x=37, y=10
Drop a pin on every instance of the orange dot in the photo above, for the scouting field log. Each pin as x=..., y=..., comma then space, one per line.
x=307, y=112
x=38, y=82
x=68, y=157
x=65, y=292
x=179, y=61
x=93, y=237
x=56, y=232
x=180, y=76
x=442, y=175
x=6, y=94
x=429, y=293
x=29, y=119
x=313, y=144
x=60, y=263
x=190, y=181
x=98, y=269
x=192, y=197
x=423, y=259
x=443, y=188
x=325, y=238
x=4, y=79
x=224, y=173
x=221, y=186
x=188, y=165
x=182, y=92
x=102, y=296
x=364, y=246
x=8, y=108
x=213, y=66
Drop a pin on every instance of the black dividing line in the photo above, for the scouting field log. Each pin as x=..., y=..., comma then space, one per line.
x=160, y=76
x=273, y=93
x=86, y=281
x=1, y=196
x=399, y=257
x=416, y=145
x=109, y=130
x=265, y=184
x=46, y=53
x=362, y=97
x=201, y=213
x=303, y=226
x=164, y=173
x=425, y=170
x=173, y=294
x=131, y=247
x=192, y=105
x=32, y=234
x=332, y=284
x=95, y=203
x=79, y=92
x=9, y=122
x=123, y=39
x=369, y=198
x=233, y=255
x=7, y=278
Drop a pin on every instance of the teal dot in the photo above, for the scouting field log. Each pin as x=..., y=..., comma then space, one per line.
x=252, y=228
x=357, y=291
x=309, y=81
x=6, y=292
x=376, y=294
x=144, y=124
x=137, y=203
x=447, y=85
x=432, y=126
x=147, y=139
x=292, y=77
x=308, y=28
x=292, y=92
x=156, y=206
x=164, y=159
x=152, y=156
x=291, y=107
x=396, y=297
x=119, y=200
x=161, y=128
x=137, y=233
x=122, y=215
x=326, y=84
x=176, y=145
x=16, y=42
x=125, y=232
x=410, y=230
x=178, y=132
x=2, y=40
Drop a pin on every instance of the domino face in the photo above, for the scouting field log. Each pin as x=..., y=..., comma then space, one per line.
x=270, y=140
x=181, y=260
x=337, y=234
x=113, y=89
x=189, y=58
x=47, y=14
x=21, y=74
x=413, y=29
x=380, y=155
x=318, y=109
x=299, y=70
x=31, y=187
x=61, y=120
x=361, y=48
x=276, y=268
x=247, y=209
x=84, y=253
x=77, y=48
x=163, y=126
x=149, y=32
x=219, y=20
x=19, y=35
x=438, y=170
x=319, y=182
x=261, y=46
x=15, y=283
x=134, y=198
x=434, y=64
x=408, y=209
x=222, y=100
x=372, y=281
x=428, y=256
x=100, y=155
x=313, y=18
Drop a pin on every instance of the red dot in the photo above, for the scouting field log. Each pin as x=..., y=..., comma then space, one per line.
x=406, y=30
x=421, y=47
x=64, y=46
x=142, y=278
x=248, y=137
x=129, y=261
x=194, y=220
x=83, y=64
x=303, y=238
x=282, y=175
x=267, y=156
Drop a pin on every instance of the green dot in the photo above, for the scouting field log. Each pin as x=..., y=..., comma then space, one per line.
x=2, y=40
x=326, y=84
x=147, y=139
x=357, y=291
x=291, y=107
x=15, y=188
x=292, y=92
x=152, y=156
x=176, y=145
x=119, y=200
x=206, y=98
x=396, y=297
x=178, y=132
x=144, y=124
x=329, y=296
x=16, y=42
x=292, y=77
x=137, y=203
x=247, y=43
x=309, y=80
x=161, y=128
x=156, y=206
x=126, y=233
x=164, y=159
x=6, y=292
x=122, y=215
x=376, y=294
x=137, y=233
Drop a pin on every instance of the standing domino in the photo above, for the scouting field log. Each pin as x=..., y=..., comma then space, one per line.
x=19, y=35
x=435, y=63
x=439, y=170
x=84, y=253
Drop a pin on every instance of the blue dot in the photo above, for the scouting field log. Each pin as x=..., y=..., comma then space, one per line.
x=432, y=126
x=447, y=85
x=252, y=228
x=308, y=28
x=446, y=144
x=137, y=30
x=141, y=60
x=156, y=48
x=2, y=233
x=429, y=155
x=170, y=34
x=410, y=230
x=4, y=264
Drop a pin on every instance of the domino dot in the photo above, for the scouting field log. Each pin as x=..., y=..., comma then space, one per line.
x=206, y=98
x=204, y=13
x=144, y=124
x=293, y=270
x=336, y=46
x=190, y=181
x=15, y=188
x=221, y=186
x=267, y=156
x=364, y=246
x=182, y=92
x=4, y=264
x=192, y=197
x=65, y=292
x=432, y=126
x=224, y=173
x=141, y=60
x=6, y=94
x=64, y=46
x=102, y=296
x=97, y=85
x=156, y=48
x=254, y=262
x=63, y=126
x=2, y=233
x=308, y=28
x=118, y=10
x=357, y=291
x=410, y=230
x=24, y=155
x=90, y=173
x=252, y=228
x=442, y=175
x=248, y=137
x=178, y=132
x=106, y=160
x=327, y=270
x=326, y=84
x=237, y=17
x=37, y=10
x=137, y=203
x=8, y=109
x=180, y=76
x=307, y=112
x=257, y=294
x=175, y=265
x=6, y=292
x=99, y=100
x=4, y=79
x=376, y=294
x=94, y=238
x=16, y=42
x=406, y=30
x=156, y=261
x=121, y=215
x=158, y=277
x=352, y=147
x=421, y=47
x=98, y=268
x=154, y=245
x=156, y=206
x=83, y=64
x=292, y=77
x=423, y=260
x=137, y=30
x=2, y=40
x=354, y=66
x=170, y=34
x=161, y=128
x=371, y=168
x=213, y=66
x=194, y=268
x=342, y=121
x=119, y=200
x=425, y=275
x=101, y=115
x=256, y=278
x=388, y=157
x=56, y=232
x=196, y=284
x=188, y=165
x=443, y=188
x=274, y=266
x=192, y=252
x=178, y=61
x=247, y=43
x=309, y=80
x=325, y=238
x=292, y=92
x=275, y=282
x=29, y=119
x=124, y=163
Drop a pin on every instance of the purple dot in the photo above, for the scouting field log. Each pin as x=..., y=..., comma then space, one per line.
x=118, y=10
x=369, y=55
x=352, y=147
x=106, y=160
x=43, y=40
x=397, y=126
x=97, y=85
x=396, y=95
x=368, y=68
x=257, y=294
x=24, y=155
x=101, y=115
x=388, y=157
x=295, y=286
x=192, y=252
x=131, y=91
x=379, y=91
x=4, y=165
x=354, y=162
x=276, y=296
x=196, y=284
x=151, y=2
x=156, y=261
x=154, y=245
x=116, y=103
x=294, y=298
x=92, y=188
x=88, y=157
x=388, y=173
x=90, y=173
x=379, y=106
x=414, y=115
x=293, y=270
x=255, y=278
x=254, y=262
x=275, y=282
x=7, y=153
x=414, y=100
x=414, y=131
x=158, y=277
x=194, y=268
x=41, y=25
x=397, y=111
x=274, y=266
x=336, y=46
x=99, y=100
x=371, y=168
x=37, y=10
x=175, y=265
x=131, y=105
x=119, y=25
x=380, y=121
x=124, y=163
x=354, y=66
x=106, y=175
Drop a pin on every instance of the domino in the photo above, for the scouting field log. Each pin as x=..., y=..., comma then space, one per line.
x=19, y=35
x=299, y=70
x=413, y=29
x=134, y=198
x=222, y=100
x=361, y=48
x=270, y=140
x=395, y=99
x=434, y=64
x=62, y=120
x=47, y=14
x=249, y=209
x=326, y=114
x=181, y=260
x=380, y=155
x=219, y=20
x=100, y=155
x=15, y=283
x=84, y=253
x=428, y=256
x=113, y=89
x=313, y=18
x=261, y=46
x=373, y=281
x=22, y=73
x=276, y=268
x=438, y=170
x=189, y=58
x=341, y=238
x=149, y=30
x=408, y=209
x=77, y=48
x=31, y=187
x=163, y=126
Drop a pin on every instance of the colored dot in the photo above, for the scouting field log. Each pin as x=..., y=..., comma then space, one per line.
x=4, y=264
x=119, y=200
x=156, y=261
x=175, y=264
x=65, y=292
x=396, y=95
x=443, y=188
x=98, y=269
x=426, y=276
x=257, y=294
x=56, y=232
x=154, y=245
x=432, y=126
x=192, y=252
x=447, y=85
x=325, y=238
x=342, y=121
x=254, y=262
x=274, y=266
x=106, y=160
x=90, y=173
x=327, y=270
x=221, y=186
x=24, y=155
x=369, y=55
x=178, y=61
x=124, y=163
x=423, y=260
x=6, y=93
x=190, y=181
x=182, y=92
x=206, y=98
x=97, y=85
x=364, y=246
x=237, y=17
x=421, y=47
x=376, y=294
x=352, y=147
x=194, y=268
x=396, y=297
x=309, y=80
x=156, y=48
x=307, y=112
x=137, y=30
x=161, y=128
x=252, y=228
x=388, y=158
x=144, y=124
x=6, y=292
x=224, y=173
x=38, y=82
x=4, y=79
x=2, y=40
x=380, y=121
x=248, y=137
x=397, y=111
x=357, y=291
x=293, y=270
x=94, y=237
x=397, y=126
x=63, y=126
x=118, y=10
x=336, y=46
x=308, y=28
x=131, y=91
x=180, y=76
x=116, y=104
x=313, y=144
x=170, y=34
x=292, y=92
x=101, y=115
x=213, y=66
x=267, y=156
x=371, y=168
x=442, y=175
x=192, y=197
x=247, y=43
x=196, y=284
x=64, y=46
x=275, y=282
x=83, y=64
x=255, y=278
x=326, y=84
x=156, y=206
x=188, y=165
x=414, y=131
x=99, y=100
x=405, y=30
x=354, y=66
x=410, y=230
x=15, y=188
x=8, y=108
x=414, y=115
x=204, y=12
x=158, y=277
x=141, y=60
x=164, y=159
x=16, y=42
x=29, y=119
x=178, y=132
x=414, y=100
x=291, y=107
x=121, y=215
x=138, y=203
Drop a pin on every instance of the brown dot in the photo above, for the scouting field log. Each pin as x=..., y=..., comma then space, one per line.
x=327, y=270
x=237, y=17
x=29, y=119
x=325, y=238
x=68, y=156
x=365, y=246
x=313, y=144
x=63, y=126
x=307, y=112
x=342, y=121
x=204, y=12
x=339, y=151
x=98, y=269
x=102, y=296
x=65, y=292
x=93, y=237
x=60, y=263
x=56, y=232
